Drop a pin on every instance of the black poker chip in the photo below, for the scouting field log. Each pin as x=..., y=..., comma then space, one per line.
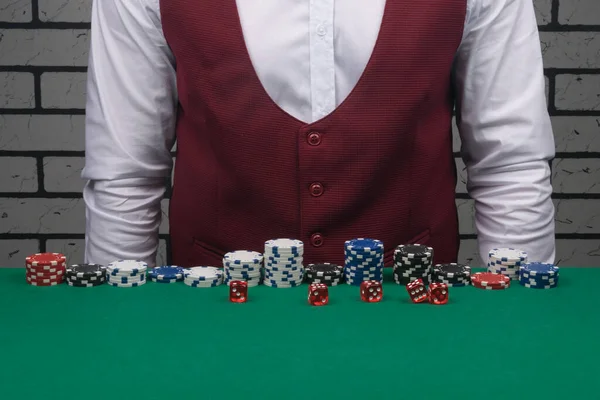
x=86, y=270
x=417, y=251
x=323, y=269
x=451, y=270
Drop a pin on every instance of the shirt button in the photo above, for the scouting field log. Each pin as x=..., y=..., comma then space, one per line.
x=316, y=239
x=321, y=30
x=316, y=189
x=314, y=138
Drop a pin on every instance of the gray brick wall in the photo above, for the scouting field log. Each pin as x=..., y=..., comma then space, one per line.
x=43, y=56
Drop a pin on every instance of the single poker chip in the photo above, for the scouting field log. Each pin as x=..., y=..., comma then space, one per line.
x=126, y=285
x=284, y=245
x=45, y=283
x=86, y=270
x=507, y=254
x=536, y=268
x=85, y=283
x=243, y=257
x=414, y=251
x=203, y=272
x=167, y=272
x=495, y=287
x=451, y=270
x=484, y=279
x=45, y=259
x=364, y=244
x=126, y=268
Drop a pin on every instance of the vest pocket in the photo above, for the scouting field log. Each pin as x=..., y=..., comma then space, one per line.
x=421, y=238
x=206, y=255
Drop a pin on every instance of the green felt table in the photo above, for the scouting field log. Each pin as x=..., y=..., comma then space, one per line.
x=171, y=341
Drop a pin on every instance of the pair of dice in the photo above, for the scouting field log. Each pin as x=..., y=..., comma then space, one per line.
x=436, y=293
x=370, y=292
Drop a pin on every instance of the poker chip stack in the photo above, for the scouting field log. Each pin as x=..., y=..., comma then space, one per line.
x=45, y=269
x=412, y=262
x=126, y=273
x=329, y=274
x=203, y=277
x=283, y=263
x=452, y=274
x=86, y=275
x=363, y=261
x=539, y=275
x=166, y=274
x=242, y=265
x=506, y=261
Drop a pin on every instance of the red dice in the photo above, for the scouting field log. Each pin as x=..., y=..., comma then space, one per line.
x=371, y=291
x=438, y=293
x=318, y=294
x=417, y=291
x=238, y=291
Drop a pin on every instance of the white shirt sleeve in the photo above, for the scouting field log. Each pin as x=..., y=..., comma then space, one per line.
x=504, y=125
x=130, y=130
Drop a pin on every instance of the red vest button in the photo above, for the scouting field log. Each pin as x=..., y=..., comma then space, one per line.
x=316, y=239
x=316, y=189
x=314, y=138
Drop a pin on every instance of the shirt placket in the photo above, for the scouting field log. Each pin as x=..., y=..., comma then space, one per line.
x=322, y=63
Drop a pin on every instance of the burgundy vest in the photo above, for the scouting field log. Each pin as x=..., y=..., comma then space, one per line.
x=245, y=169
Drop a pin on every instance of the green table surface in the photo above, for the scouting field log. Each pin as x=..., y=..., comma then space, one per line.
x=162, y=341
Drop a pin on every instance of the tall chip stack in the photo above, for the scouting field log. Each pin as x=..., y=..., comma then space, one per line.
x=243, y=265
x=412, y=262
x=45, y=269
x=539, y=275
x=363, y=261
x=283, y=263
x=506, y=261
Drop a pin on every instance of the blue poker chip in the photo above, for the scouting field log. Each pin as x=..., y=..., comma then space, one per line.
x=167, y=272
x=364, y=244
x=536, y=268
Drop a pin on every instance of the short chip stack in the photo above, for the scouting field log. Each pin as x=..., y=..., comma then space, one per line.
x=126, y=273
x=539, y=275
x=490, y=281
x=363, y=261
x=166, y=274
x=203, y=277
x=86, y=275
x=506, y=261
x=45, y=269
x=412, y=262
x=243, y=265
x=329, y=274
x=283, y=263
x=452, y=274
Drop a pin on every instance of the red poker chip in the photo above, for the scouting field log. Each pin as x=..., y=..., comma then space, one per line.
x=46, y=268
x=491, y=287
x=42, y=277
x=485, y=279
x=45, y=259
x=45, y=282
x=43, y=272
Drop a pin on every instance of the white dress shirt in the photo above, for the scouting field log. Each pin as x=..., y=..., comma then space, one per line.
x=309, y=55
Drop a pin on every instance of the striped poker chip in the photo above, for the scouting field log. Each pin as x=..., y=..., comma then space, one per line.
x=507, y=254
x=126, y=268
x=45, y=259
